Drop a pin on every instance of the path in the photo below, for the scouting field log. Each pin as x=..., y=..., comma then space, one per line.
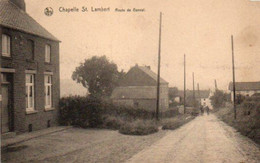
x=205, y=139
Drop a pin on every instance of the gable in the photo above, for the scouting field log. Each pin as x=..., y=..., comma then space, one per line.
x=137, y=77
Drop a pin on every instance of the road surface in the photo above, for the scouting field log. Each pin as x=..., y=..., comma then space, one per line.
x=204, y=140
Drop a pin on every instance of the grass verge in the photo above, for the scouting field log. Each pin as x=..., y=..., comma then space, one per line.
x=247, y=122
x=176, y=122
x=139, y=127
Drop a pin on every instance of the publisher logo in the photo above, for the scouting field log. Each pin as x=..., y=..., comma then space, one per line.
x=48, y=11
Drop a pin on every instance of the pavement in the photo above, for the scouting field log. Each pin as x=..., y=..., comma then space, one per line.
x=31, y=135
x=205, y=139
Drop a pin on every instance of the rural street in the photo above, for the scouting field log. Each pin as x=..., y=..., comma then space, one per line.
x=205, y=139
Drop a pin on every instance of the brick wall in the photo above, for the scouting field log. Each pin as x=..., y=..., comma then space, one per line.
x=18, y=61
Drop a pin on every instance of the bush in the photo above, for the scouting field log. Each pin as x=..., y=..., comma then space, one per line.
x=112, y=122
x=139, y=127
x=80, y=111
x=174, y=123
x=95, y=112
x=247, y=122
x=218, y=99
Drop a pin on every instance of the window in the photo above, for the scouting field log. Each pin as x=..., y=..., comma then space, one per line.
x=48, y=91
x=47, y=53
x=6, y=48
x=29, y=92
x=30, y=52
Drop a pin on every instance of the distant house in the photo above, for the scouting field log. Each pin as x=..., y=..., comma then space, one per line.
x=204, y=96
x=30, y=75
x=201, y=96
x=138, y=89
x=244, y=88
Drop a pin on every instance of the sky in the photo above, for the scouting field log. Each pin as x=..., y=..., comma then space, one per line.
x=201, y=29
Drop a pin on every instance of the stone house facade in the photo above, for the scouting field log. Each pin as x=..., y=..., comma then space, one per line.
x=244, y=88
x=138, y=88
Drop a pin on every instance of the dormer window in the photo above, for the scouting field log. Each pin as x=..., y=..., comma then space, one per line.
x=6, y=46
x=47, y=53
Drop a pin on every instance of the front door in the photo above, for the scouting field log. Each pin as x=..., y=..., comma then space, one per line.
x=5, y=108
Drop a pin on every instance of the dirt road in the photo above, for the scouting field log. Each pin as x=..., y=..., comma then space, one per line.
x=205, y=139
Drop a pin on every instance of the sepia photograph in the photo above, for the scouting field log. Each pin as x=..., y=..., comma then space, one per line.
x=117, y=81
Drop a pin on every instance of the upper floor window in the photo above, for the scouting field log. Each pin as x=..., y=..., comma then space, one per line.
x=6, y=48
x=30, y=45
x=47, y=53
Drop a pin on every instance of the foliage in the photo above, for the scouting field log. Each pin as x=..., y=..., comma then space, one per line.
x=99, y=75
x=176, y=122
x=139, y=127
x=240, y=99
x=247, y=121
x=95, y=112
x=218, y=99
x=80, y=111
x=173, y=92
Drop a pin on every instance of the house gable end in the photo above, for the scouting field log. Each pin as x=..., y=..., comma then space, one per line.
x=136, y=77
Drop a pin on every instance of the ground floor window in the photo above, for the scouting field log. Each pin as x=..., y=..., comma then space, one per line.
x=30, y=92
x=48, y=91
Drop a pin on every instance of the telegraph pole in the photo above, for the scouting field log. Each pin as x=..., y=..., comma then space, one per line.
x=159, y=66
x=193, y=89
x=198, y=85
x=216, y=86
x=184, y=96
x=234, y=81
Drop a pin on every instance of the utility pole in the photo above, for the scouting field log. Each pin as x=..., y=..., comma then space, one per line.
x=193, y=89
x=234, y=81
x=216, y=86
x=184, y=90
x=198, y=86
x=159, y=66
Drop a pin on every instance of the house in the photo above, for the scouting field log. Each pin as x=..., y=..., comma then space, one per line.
x=138, y=88
x=244, y=88
x=203, y=96
x=30, y=82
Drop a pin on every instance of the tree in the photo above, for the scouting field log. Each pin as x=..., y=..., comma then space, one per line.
x=218, y=99
x=99, y=75
x=173, y=92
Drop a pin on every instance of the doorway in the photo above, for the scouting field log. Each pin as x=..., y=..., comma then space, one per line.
x=6, y=109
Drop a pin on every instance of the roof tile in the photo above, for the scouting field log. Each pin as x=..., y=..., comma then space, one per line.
x=13, y=17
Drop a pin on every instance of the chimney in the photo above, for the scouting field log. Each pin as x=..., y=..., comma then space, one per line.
x=149, y=67
x=19, y=3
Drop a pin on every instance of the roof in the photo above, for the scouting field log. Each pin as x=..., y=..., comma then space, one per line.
x=153, y=75
x=132, y=93
x=245, y=86
x=189, y=93
x=13, y=17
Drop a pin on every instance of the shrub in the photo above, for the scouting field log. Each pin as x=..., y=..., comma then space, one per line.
x=218, y=99
x=139, y=127
x=80, y=111
x=95, y=112
x=112, y=122
x=247, y=122
x=174, y=123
